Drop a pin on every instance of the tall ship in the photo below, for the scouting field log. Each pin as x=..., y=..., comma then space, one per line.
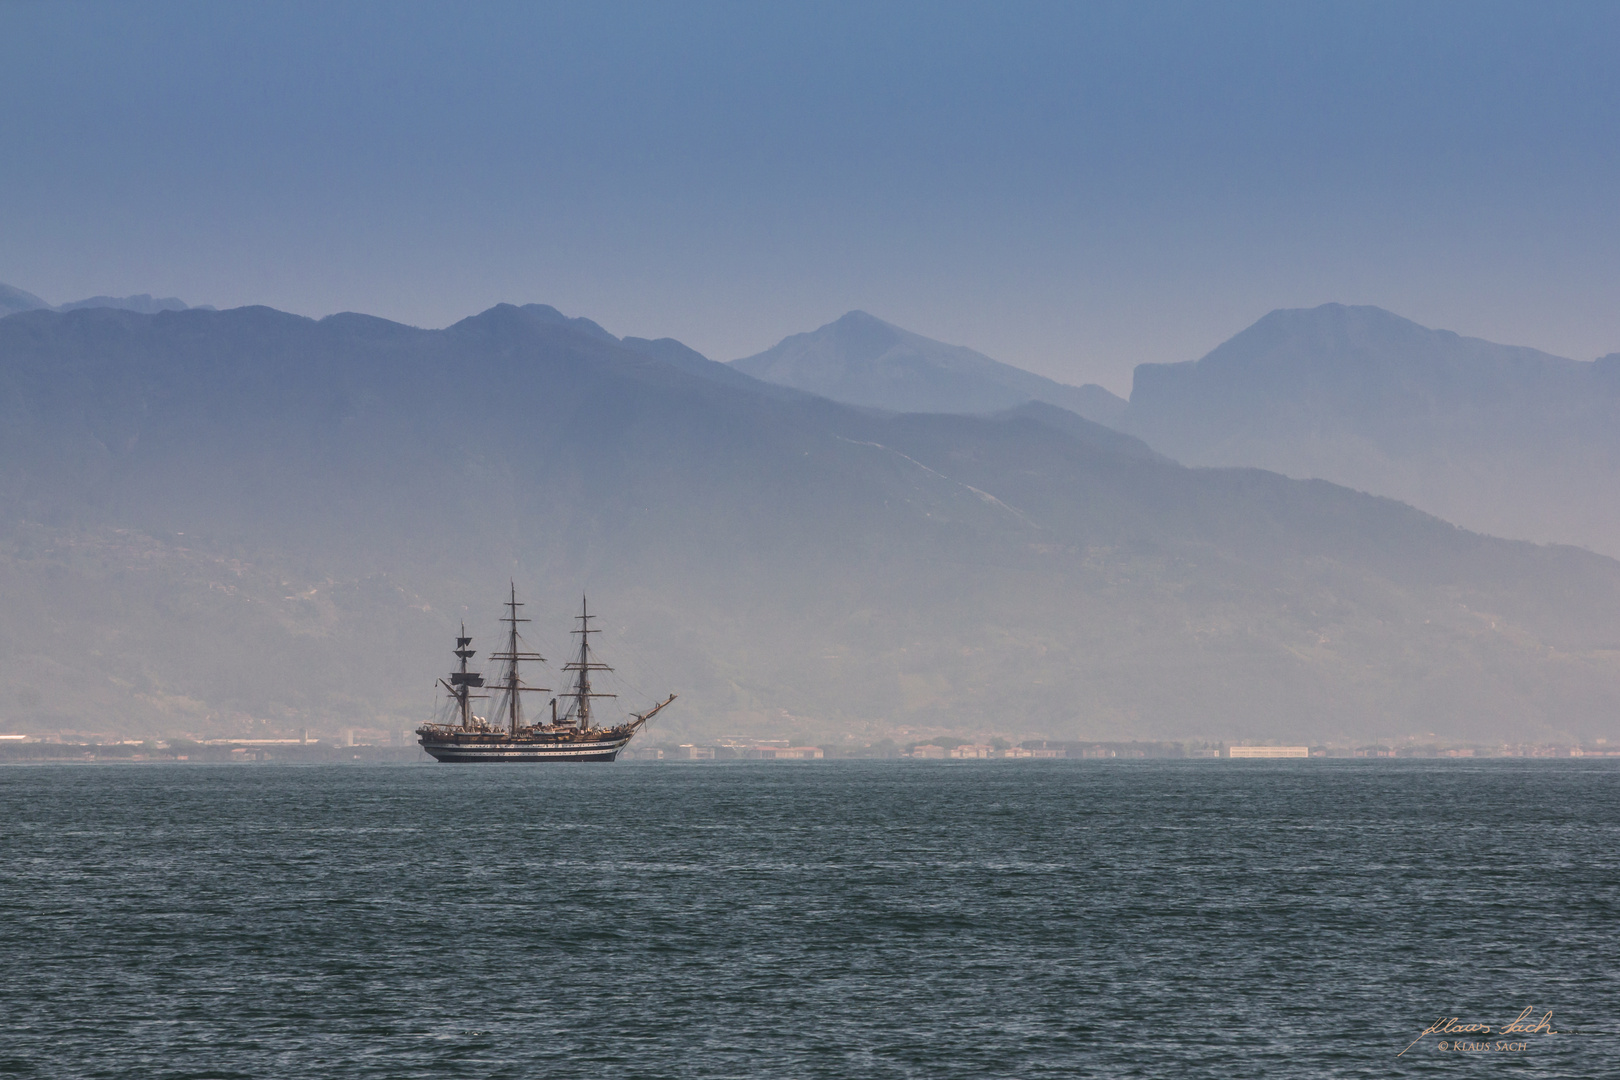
x=573, y=734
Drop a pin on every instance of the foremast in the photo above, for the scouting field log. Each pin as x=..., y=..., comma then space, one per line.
x=462, y=682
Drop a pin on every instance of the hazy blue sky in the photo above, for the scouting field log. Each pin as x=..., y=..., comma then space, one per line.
x=1071, y=188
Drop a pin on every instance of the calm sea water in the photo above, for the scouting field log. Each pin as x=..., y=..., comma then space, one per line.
x=880, y=919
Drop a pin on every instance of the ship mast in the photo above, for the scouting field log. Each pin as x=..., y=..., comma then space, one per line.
x=461, y=682
x=465, y=654
x=512, y=684
x=585, y=665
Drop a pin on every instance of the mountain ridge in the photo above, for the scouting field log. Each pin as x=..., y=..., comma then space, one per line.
x=14, y=300
x=249, y=522
x=859, y=359
x=1504, y=439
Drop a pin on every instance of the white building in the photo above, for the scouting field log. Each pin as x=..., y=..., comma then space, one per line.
x=1268, y=751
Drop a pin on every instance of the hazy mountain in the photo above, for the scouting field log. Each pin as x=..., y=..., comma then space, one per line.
x=1085, y=431
x=862, y=360
x=13, y=300
x=547, y=313
x=248, y=520
x=144, y=303
x=1505, y=440
x=692, y=362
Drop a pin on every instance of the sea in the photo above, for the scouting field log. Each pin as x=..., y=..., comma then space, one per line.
x=812, y=919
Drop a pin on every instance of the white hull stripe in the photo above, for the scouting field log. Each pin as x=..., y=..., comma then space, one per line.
x=508, y=752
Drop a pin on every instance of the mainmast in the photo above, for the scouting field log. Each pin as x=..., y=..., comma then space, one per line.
x=585, y=665
x=512, y=684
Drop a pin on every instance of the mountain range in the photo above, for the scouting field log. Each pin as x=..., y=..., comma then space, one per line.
x=13, y=300
x=1502, y=439
x=248, y=521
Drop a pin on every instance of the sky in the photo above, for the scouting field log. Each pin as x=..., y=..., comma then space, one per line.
x=1071, y=188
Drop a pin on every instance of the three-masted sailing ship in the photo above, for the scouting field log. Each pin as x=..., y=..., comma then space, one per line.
x=572, y=735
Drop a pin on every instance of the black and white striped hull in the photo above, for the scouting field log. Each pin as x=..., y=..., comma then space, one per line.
x=454, y=749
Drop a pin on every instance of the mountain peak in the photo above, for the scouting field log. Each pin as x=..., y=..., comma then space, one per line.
x=864, y=336
x=1335, y=341
x=855, y=319
x=1359, y=324
x=547, y=313
x=1498, y=438
x=859, y=359
x=144, y=303
x=505, y=318
x=13, y=300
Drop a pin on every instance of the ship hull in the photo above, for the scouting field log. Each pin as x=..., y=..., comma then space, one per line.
x=464, y=749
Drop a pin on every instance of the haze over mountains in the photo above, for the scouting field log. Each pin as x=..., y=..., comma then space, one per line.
x=13, y=300
x=1502, y=439
x=862, y=360
x=250, y=521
